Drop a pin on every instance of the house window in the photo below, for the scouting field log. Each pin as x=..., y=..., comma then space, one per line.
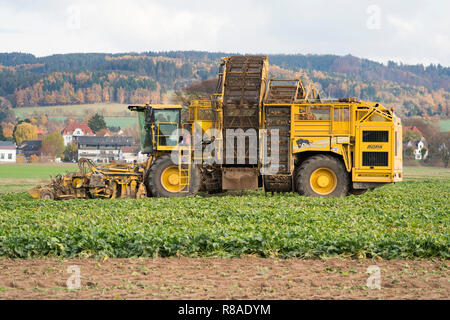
x=9, y=156
x=2, y=156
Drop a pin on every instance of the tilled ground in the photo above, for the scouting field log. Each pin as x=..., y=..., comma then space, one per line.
x=219, y=278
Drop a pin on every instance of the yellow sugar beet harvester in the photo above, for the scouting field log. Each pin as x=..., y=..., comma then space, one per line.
x=326, y=147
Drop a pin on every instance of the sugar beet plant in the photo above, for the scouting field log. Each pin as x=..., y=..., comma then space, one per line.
x=405, y=220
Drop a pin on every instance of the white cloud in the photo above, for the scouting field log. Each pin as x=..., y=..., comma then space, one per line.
x=401, y=24
x=414, y=32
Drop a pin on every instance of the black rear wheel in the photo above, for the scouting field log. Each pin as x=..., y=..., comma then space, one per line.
x=166, y=180
x=322, y=176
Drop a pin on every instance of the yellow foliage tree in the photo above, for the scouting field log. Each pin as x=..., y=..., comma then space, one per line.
x=33, y=158
x=25, y=131
x=8, y=129
x=53, y=145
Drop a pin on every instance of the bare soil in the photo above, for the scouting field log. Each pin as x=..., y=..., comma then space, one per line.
x=220, y=278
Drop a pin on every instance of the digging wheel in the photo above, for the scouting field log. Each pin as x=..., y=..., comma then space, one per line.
x=47, y=194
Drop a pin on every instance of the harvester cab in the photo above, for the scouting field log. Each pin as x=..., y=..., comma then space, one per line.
x=159, y=126
x=162, y=140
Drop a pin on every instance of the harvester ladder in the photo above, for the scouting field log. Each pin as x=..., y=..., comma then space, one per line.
x=279, y=118
x=184, y=168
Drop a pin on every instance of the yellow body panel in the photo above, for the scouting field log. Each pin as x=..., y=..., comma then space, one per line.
x=338, y=127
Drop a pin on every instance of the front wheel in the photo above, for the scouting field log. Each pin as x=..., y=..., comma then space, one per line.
x=322, y=176
x=166, y=180
x=47, y=194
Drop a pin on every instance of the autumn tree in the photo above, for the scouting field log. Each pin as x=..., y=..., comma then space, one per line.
x=25, y=131
x=411, y=135
x=120, y=95
x=79, y=96
x=53, y=145
x=102, y=132
x=20, y=98
x=97, y=122
x=6, y=113
x=71, y=152
x=2, y=137
x=33, y=158
x=42, y=119
x=53, y=126
x=8, y=129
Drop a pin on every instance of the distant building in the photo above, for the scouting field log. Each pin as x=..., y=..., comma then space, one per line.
x=7, y=151
x=104, y=133
x=131, y=153
x=418, y=145
x=103, y=149
x=29, y=148
x=109, y=133
x=74, y=130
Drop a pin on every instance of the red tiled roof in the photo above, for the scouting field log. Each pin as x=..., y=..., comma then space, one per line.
x=74, y=125
x=7, y=145
x=130, y=149
x=413, y=128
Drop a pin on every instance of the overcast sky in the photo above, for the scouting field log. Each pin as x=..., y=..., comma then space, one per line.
x=410, y=31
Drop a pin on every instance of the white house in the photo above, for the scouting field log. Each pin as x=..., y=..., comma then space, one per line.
x=7, y=151
x=418, y=145
x=76, y=129
x=131, y=154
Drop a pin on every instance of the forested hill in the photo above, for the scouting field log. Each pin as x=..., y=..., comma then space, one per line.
x=26, y=80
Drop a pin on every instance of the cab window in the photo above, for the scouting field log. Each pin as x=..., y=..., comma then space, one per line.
x=167, y=122
x=167, y=115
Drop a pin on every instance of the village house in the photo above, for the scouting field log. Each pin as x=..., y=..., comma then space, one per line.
x=131, y=154
x=418, y=145
x=103, y=149
x=74, y=130
x=7, y=151
x=30, y=147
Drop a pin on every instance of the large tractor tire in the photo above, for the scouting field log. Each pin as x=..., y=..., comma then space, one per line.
x=165, y=180
x=322, y=176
